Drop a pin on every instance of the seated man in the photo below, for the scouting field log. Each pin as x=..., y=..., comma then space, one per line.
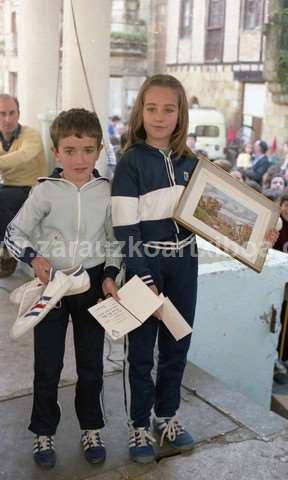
x=21, y=163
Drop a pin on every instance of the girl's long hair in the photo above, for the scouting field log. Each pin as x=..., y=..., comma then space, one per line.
x=136, y=129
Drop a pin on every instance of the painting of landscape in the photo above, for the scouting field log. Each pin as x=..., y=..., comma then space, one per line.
x=226, y=215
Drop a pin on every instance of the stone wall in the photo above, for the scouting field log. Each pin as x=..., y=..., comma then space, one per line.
x=275, y=121
x=213, y=85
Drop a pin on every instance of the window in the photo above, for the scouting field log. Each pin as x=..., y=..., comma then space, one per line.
x=185, y=27
x=253, y=10
x=207, y=131
x=215, y=30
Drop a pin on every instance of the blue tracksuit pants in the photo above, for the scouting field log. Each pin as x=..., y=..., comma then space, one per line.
x=49, y=346
x=176, y=277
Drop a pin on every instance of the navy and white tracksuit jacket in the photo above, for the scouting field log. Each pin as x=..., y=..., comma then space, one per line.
x=146, y=187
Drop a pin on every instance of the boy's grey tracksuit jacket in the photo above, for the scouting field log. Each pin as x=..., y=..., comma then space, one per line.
x=67, y=225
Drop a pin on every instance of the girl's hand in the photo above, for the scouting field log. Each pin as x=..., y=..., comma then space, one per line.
x=41, y=267
x=110, y=289
x=158, y=313
x=271, y=237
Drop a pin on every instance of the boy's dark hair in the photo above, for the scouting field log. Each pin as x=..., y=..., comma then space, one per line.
x=283, y=197
x=78, y=122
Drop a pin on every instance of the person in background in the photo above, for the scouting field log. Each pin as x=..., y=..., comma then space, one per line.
x=244, y=158
x=224, y=164
x=22, y=161
x=278, y=183
x=273, y=170
x=191, y=142
x=253, y=184
x=260, y=162
x=281, y=244
x=238, y=175
x=284, y=164
x=121, y=147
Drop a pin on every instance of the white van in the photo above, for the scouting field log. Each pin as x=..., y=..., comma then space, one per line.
x=208, y=125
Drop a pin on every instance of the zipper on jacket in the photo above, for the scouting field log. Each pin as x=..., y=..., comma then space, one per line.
x=172, y=181
x=78, y=225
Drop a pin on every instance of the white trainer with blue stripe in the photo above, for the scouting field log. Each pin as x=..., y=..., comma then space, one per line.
x=36, y=299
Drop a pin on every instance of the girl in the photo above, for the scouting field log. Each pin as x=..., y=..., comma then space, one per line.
x=148, y=182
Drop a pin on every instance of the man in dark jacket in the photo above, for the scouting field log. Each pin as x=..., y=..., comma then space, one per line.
x=260, y=162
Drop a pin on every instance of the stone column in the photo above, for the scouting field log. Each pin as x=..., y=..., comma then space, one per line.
x=38, y=50
x=93, y=25
x=93, y=20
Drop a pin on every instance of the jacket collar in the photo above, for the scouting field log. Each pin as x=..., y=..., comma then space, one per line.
x=56, y=174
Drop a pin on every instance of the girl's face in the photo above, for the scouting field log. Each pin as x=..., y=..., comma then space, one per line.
x=160, y=115
x=249, y=148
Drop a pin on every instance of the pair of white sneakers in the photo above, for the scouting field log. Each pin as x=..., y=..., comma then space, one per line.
x=35, y=299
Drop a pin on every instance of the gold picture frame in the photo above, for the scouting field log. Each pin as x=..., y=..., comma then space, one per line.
x=228, y=213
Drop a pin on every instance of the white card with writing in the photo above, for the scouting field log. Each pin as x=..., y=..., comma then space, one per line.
x=114, y=318
x=173, y=320
x=137, y=303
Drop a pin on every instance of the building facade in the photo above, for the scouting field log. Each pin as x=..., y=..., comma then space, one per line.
x=128, y=50
x=128, y=53
x=218, y=50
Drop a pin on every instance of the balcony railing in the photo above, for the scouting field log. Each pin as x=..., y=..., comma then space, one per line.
x=129, y=36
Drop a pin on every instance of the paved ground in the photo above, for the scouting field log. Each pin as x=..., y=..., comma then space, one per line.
x=235, y=439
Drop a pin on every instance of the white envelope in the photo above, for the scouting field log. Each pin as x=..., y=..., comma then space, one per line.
x=173, y=320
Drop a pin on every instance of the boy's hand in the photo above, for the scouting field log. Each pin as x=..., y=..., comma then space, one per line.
x=271, y=237
x=157, y=314
x=110, y=289
x=42, y=268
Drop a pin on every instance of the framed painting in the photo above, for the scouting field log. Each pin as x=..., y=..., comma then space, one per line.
x=227, y=213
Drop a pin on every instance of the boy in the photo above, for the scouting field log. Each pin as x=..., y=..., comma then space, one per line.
x=66, y=221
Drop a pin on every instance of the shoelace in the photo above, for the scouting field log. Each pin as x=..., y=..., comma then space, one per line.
x=142, y=437
x=92, y=439
x=172, y=429
x=43, y=442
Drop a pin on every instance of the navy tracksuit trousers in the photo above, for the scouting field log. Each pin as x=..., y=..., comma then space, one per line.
x=175, y=276
x=49, y=346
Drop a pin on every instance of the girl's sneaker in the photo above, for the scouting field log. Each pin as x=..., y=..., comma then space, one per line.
x=93, y=446
x=43, y=451
x=171, y=430
x=141, y=445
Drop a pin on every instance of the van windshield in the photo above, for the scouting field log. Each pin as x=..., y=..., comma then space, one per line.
x=207, y=131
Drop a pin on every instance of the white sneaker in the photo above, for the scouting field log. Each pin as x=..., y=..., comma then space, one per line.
x=57, y=287
x=27, y=294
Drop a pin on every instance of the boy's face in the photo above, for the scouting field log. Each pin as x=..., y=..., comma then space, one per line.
x=77, y=157
x=284, y=210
